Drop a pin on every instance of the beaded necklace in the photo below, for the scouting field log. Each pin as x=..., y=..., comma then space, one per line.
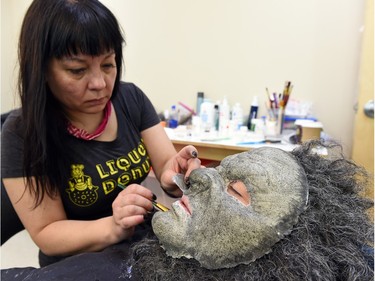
x=83, y=134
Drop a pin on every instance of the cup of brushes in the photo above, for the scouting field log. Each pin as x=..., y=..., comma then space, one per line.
x=276, y=104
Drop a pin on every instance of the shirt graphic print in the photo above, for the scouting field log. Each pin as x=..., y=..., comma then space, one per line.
x=124, y=170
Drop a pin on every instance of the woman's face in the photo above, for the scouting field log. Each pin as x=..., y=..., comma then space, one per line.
x=236, y=212
x=82, y=83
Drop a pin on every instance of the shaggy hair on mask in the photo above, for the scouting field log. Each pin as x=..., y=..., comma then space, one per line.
x=332, y=240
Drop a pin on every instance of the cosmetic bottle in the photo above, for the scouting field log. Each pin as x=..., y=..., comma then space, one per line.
x=224, y=116
x=173, y=117
x=216, y=116
x=253, y=113
x=207, y=115
x=237, y=116
x=200, y=99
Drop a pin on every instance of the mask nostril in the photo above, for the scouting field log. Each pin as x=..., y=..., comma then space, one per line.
x=187, y=183
x=181, y=182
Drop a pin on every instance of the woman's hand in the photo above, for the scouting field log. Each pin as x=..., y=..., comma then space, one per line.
x=166, y=162
x=185, y=161
x=129, y=210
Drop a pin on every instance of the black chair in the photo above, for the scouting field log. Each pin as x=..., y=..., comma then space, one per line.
x=10, y=223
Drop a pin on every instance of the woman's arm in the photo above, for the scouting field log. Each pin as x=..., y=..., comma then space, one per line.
x=166, y=162
x=54, y=234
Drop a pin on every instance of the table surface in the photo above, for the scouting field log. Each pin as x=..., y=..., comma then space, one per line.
x=217, y=150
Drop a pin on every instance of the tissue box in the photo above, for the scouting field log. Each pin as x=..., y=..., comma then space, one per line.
x=308, y=130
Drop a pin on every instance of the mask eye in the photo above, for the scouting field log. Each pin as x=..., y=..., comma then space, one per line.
x=238, y=190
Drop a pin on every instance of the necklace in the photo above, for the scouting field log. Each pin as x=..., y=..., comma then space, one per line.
x=83, y=134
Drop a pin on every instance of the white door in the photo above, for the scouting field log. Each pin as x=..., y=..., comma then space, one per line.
x=363, y=142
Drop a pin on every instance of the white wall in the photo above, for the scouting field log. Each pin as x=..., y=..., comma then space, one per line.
x=11, y=17
x=235, y=48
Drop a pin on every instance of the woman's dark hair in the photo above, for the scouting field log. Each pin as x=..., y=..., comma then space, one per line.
x=54, y=29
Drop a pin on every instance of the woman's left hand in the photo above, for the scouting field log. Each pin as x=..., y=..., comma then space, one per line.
x=166, y=162
x=185, y=161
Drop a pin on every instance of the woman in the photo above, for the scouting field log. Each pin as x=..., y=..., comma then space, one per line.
x=74, y=155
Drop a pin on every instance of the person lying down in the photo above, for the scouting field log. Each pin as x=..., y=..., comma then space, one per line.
x=265, y=214
x=235, y=213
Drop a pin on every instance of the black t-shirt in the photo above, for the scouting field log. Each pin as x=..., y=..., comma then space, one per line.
x=113, y=263
x=95, y=168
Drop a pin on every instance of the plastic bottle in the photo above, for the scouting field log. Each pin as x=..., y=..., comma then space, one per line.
x=173, y=117
x=200, y=99
x=224, y=116
x=237, y=116
x=253, y=113
x=207, y=115
x=166, y=117
x=216, y=116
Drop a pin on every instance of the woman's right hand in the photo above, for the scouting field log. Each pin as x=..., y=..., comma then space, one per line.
x=55, y=234
x=129, y=209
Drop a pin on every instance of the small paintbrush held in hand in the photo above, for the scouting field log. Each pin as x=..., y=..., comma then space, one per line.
x=157, y=206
